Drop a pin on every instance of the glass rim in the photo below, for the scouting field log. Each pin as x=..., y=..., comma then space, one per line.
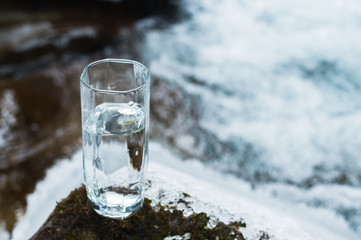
x=115, y=60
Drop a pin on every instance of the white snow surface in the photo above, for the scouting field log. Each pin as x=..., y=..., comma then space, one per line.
x=221, y=196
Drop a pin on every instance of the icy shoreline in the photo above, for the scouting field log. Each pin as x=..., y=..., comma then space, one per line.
x=222, y=196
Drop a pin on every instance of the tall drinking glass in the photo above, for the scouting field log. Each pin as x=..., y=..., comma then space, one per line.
x=115, y=122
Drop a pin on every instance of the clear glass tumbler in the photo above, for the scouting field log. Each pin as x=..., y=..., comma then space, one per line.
x=115, y=122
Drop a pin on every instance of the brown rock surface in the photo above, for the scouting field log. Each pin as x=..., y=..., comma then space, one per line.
x=74, y=219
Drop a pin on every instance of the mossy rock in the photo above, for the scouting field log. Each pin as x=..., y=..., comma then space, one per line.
x=74, y=219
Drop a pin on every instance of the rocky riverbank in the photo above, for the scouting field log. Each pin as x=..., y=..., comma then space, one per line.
x=74, y=219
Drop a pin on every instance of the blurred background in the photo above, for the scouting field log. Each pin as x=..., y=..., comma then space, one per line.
x=267, y=91
x=44, y=45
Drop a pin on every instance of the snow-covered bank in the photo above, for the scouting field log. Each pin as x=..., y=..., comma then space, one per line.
x=221, y=196
x=60, y=179
x=229, y=198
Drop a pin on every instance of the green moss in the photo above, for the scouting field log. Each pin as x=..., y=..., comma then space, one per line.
x=74, y=219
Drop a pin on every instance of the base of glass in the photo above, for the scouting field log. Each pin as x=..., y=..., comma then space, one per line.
x=117, y=212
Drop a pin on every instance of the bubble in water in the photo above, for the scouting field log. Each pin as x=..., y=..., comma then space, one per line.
x=98, y=163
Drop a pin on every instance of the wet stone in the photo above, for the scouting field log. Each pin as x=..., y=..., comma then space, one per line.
x=74, y=219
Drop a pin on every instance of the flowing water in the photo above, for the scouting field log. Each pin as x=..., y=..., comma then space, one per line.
x=266, y=91
x=276, y=89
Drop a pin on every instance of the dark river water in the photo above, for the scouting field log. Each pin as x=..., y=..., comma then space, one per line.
x=43, y=49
